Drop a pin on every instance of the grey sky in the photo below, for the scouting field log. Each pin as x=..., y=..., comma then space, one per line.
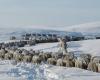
x=48, y=12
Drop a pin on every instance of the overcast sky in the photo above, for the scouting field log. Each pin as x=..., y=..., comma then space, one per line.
x=48, y=12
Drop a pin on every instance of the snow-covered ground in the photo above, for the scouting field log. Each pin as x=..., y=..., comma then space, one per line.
x=27, y=71
x=21, y=71
x=85, y=46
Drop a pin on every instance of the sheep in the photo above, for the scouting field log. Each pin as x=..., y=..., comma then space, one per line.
x=48, y=54
x=36, y=59
x=8, y=56
x=10, y=53
x=98, y=67
x=54, y=55
x=27, y=58
x=11, y=50
x=78, y=63
x=92, y=66
x=52, y=61
x=18, y=56
x=59, y=62
x=68, y=63
x=2, y=53
x=87, y=57
x=44, y=56
x=81, y=63
x=68, y=56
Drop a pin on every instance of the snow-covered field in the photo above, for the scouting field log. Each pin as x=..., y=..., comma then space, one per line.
x=27, y=71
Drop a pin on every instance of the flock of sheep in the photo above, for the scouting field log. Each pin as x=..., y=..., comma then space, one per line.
x=62, y=58
x=84, y=61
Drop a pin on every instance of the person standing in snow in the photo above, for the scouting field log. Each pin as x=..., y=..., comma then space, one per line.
x=63, y=45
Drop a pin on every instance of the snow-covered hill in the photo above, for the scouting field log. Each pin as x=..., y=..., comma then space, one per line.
x=6, y=33
x=87, y=29
x=92, y=28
